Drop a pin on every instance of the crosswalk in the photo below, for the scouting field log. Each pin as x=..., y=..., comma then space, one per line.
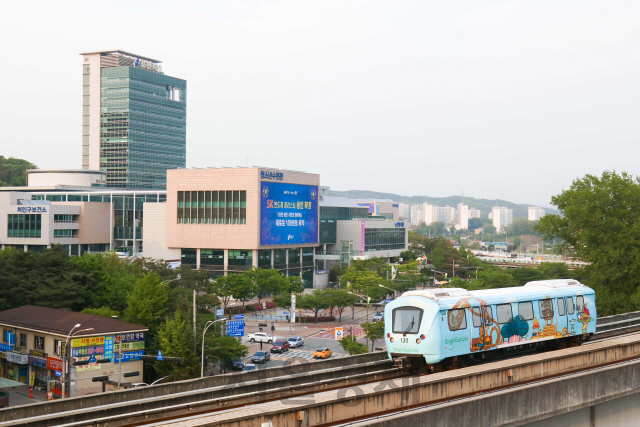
x=301, y=354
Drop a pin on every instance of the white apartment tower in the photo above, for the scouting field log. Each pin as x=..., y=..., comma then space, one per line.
x=501, y=217
x=417, y=216
x=462, y=221
x=535, y=213
x=474, y=213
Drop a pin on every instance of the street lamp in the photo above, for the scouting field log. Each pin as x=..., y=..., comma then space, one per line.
x=119, y=354
x=363, y=298
x=66, y=349
x=206, y=326
x=392, y=290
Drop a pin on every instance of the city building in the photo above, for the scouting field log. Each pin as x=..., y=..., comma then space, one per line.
x=33, y=347
x=501, y=217
x=405, y=211
x=133, y=119
x=474, y=213
x=433, y=214
x=417, y=214
x=535, y=213
x=73, y=209
x=233, y=219
x=462, y=217
x=381, y=208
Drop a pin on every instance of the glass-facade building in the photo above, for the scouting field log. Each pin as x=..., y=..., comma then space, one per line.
x=138, y=129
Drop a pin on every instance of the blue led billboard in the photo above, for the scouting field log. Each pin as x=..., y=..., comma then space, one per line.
x=288, y=214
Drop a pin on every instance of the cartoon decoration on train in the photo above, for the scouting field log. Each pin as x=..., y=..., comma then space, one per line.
x=492, y=335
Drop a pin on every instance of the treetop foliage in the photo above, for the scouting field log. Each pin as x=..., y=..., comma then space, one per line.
x=13, y=172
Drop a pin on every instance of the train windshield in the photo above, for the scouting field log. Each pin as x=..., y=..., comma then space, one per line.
x=406, y=320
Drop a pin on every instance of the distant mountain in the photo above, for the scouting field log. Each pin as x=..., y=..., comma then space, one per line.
x=485, y=205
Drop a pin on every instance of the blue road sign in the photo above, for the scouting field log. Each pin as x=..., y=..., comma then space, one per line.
x=159, y=356
x=58, y=373
x=238, y=316
x=235, y=328
x=92, y=358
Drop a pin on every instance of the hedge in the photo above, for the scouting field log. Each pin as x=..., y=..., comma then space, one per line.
x=235, y=310
x=316, y=319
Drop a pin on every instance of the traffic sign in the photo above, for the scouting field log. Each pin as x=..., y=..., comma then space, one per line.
x=235, y=328
x=92, y=358
x=338, y=334
x=159, y=356
x=58, y=373
x=238, y=317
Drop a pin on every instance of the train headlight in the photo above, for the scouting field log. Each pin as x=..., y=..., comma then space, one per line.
x=422, y=336
x=391, y=339
x=418, y=341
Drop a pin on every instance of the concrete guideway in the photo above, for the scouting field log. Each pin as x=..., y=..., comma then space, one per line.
x=339, y=406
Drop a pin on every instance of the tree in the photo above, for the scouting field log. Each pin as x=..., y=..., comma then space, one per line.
x=293, y=284
x=175, y=340
x=600, y=221
x=526, y=274
x=267, y=281
x=148, y=301
x=341, y=299
x=102, y=311
x=374, y=331
x=13, y=172
x=315, y=301
x=222, y=288
x=352, y=346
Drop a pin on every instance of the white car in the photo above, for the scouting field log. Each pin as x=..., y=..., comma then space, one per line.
x=378, y=317
x=260, y=337
x=295, y=342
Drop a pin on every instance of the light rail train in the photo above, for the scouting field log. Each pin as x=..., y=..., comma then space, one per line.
x=444, y=327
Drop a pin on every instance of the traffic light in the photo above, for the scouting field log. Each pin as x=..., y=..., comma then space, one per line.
x=131, y=374
x=99, y=379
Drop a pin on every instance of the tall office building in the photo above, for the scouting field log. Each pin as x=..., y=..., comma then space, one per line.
x=134, y=119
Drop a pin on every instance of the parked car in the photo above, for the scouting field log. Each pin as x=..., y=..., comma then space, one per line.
x=378, y=316
x=249, y=367
x=322, y=352
x=261, y=357
x=260, y=337
x=237, y=365
x=295, y=342
x=136, y=385
x=279, y=346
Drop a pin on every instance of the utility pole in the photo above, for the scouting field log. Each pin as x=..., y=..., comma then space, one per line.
x=194, y=320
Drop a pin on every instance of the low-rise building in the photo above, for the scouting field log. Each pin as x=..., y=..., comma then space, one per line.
x=33, y=348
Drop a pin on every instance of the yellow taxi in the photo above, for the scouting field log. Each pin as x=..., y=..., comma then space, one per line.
x=322, y=352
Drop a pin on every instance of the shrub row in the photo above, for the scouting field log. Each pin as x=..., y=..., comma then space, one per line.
x=316, y=319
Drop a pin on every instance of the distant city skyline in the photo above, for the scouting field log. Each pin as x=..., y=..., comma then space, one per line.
x=502, y=100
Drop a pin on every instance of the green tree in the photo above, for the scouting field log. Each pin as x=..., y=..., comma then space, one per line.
x=102, y=311
x=13, y=172
x=526, y=274
x=267, y=281
x=352, y=346
x=175, y=340
x=554, y=270
x=600, y=221
x=374, y=331
x=315, y=301
x=341, y=299
x=148, y=301
x=295, y=285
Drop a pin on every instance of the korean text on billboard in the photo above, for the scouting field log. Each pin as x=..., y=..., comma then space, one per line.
x=288, y=214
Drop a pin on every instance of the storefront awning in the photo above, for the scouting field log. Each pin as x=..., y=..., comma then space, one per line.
x=7, y=383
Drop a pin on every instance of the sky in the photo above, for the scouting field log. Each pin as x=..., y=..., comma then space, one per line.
x=493, y=99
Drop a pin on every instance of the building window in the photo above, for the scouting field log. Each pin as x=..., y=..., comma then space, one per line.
x=65, y=218
x=240, y=259
x=65, y=233
x=38, y=343
x=279, y=258
x=23, y=340
x=5, y=335
x=212, y=257
x=189, y=256
x=57, y=347
x=212, y=207
x=294, y=257
x=307, y=257
x=264, y=258
x=24, y=225
x=382, y=239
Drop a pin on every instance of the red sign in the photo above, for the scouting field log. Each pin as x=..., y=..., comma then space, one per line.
x=54, y=364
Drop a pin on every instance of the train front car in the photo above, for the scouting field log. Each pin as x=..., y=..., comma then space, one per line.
x=412, y=328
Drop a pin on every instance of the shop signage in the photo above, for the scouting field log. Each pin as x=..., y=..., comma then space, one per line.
x=135, y=336
x=58, y=373
x=399, y=224
x=276, y=176
x=108, y=347
x=92, y=366
x=87, y=342
x=21, y=359
x=32, y=378
x=36, y=361
x=32, y=209
x=5, y=347
x=322, y=271
x=37, y=353
x=130, y=346
x=3, y=355
x=54, y=364
x=87, y=351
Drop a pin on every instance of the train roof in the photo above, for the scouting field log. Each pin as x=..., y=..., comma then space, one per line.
x=531, y=290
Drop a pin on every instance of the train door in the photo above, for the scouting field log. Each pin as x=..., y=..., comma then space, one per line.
x=571, y=316
x=478, y=335
x=562, y=323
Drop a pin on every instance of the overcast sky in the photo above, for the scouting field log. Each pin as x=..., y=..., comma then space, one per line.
x=500, y=99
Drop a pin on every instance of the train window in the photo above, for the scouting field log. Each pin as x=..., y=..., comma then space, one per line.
x=546, y=308
x=525, y=309
x=580, y=304
x=475, y=315
x=457, y=319
x=570, y=305
x=406, y=320
x=561, y=307
x=488, y=315
x=505, y=313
